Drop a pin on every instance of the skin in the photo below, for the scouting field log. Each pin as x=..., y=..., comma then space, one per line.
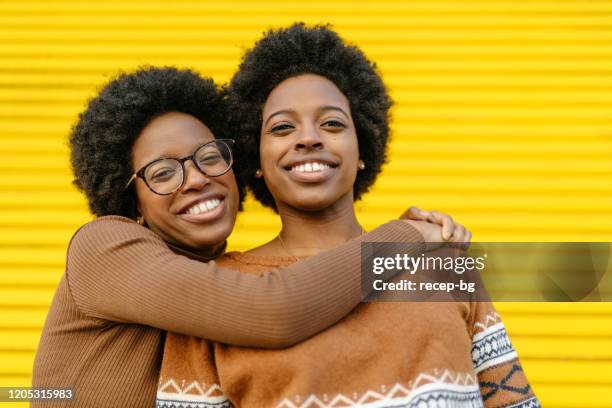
x=177, y=135
x=307, y=119
x=299, y=125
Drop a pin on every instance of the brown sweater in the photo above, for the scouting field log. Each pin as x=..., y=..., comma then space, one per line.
x=399, y=354
x=124, y=286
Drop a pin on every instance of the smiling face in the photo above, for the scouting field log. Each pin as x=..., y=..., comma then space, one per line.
x=201, y=214
x=309, y=151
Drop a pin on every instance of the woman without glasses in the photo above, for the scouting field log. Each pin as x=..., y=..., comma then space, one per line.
x=316, y=111
x=139, y=268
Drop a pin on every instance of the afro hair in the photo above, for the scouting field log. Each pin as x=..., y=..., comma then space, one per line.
x=101, y=140
x=297, y=50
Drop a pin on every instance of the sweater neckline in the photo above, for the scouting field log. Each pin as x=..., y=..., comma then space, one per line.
x=264, y=260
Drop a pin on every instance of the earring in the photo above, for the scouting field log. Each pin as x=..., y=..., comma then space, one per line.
x=361, y=165
x=140, y=220
x=258, y=173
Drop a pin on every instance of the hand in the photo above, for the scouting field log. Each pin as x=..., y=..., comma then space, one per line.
x=436, y=226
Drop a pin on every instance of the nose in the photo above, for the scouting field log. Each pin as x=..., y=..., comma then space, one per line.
x=309, y=139
x=194, y=178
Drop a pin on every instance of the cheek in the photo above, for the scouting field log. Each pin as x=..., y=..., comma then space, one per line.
x=353, y=146
x=351, y=158
x=347, y=146
x=155, y=209
x=144, y=199
x=230, y=182
x=272, y=149
x=267, y=162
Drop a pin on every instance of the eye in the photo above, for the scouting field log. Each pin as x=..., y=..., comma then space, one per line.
x=163, y=174
x=210, y=158
x=282, y=128
x=332, y=123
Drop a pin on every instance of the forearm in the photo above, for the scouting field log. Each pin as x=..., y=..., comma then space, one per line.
x=131, y=276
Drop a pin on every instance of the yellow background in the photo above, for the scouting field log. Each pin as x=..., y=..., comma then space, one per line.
x=503, y=119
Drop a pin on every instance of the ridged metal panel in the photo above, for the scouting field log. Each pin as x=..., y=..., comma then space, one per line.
x=503, y=119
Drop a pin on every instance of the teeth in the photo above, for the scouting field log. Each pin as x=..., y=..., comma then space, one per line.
x=204, y=206
x=310, y=167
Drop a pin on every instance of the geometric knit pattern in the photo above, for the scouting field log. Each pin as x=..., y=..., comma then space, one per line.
x=427, y=390
x=490, y=320
x=445, y=390
x=530, y=403
x=491, y=344
x=491, y=347
x=194, y=395
x=489, y=389
x=180, y=404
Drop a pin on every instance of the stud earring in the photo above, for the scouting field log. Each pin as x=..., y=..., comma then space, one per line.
x=258, y=173
x=140, y=220
x=361, y=165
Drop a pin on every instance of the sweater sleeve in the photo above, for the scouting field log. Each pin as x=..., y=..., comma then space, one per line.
x=120, y=271
x=503, y=382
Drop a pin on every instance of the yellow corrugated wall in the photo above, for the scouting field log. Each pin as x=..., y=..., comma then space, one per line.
x=503, y=119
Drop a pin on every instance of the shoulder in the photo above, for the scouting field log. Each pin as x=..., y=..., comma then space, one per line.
x=107, y=222
x=106, y=235
x=107, y=227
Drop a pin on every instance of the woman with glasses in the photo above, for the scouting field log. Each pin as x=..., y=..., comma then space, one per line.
x=146, y=154
x=315, y=112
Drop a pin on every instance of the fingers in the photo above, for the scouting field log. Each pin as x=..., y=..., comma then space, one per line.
x=461, y=234
x=414, y=213
x=446, y=221
x=451, y=231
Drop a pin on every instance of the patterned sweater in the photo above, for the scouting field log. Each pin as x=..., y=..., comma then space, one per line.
x=385, y=354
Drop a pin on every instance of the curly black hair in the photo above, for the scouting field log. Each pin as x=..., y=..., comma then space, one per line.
x=101, y=140
x=297, y=50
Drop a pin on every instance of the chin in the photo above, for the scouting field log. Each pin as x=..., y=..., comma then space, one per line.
x=204, y=243
x=206, y=239
x=313, y=204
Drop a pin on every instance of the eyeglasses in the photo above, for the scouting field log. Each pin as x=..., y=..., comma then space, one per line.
x=167, y=175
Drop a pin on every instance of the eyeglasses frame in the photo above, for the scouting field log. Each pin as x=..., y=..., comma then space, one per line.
x=140, y=173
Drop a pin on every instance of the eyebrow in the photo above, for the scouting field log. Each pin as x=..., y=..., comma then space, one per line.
x=320, y=109
x=280, y=112
x=334, y=108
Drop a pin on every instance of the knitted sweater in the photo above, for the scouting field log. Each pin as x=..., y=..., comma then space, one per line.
x=124, y=286
x=397, y=354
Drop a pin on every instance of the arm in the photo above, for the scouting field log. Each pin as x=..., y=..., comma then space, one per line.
x=120, y=271
x=500, y=374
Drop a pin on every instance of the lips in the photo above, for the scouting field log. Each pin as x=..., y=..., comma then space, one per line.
x=310, y=164
x=204, y=211
x=203, y=206
x=310, y=167
x=312, y=170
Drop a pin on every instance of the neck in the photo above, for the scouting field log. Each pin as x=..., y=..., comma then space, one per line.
x=305, y=233
x=203, y=255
